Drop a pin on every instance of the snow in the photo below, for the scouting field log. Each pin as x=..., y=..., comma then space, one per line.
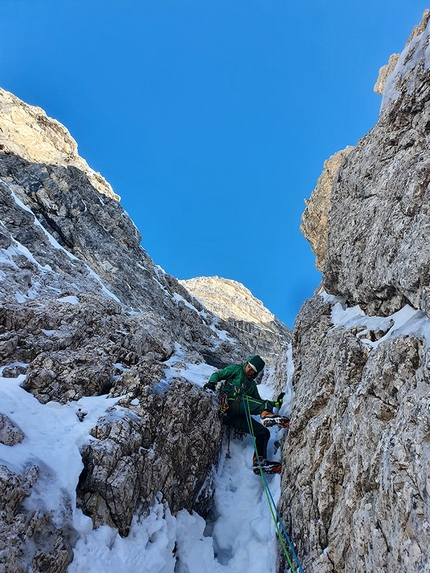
x=238, y=536
x=407, y=321
x=69, y=299
x=15, y=249
x=19, y=297
x=50, y=238
x=48, y=332
x=289, y=393
x=243, y=532
x=195, y=373
x=53, y=437
x=417, y=50
x=222, y=335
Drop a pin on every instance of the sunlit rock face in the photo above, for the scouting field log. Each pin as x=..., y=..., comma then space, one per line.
x=28, y=132
x=86, y=312
x=252, y=322
x=355, y=481
x=315, y=225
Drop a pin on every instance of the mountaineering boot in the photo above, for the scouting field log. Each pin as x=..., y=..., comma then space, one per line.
x=266, y=466
x=270, y=419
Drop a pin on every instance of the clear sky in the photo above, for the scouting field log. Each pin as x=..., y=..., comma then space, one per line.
x=210, y=118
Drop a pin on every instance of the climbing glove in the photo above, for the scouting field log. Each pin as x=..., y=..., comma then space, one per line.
x=209, y=386
x=279, y=400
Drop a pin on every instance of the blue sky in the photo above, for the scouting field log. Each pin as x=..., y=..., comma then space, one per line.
x=211, y=119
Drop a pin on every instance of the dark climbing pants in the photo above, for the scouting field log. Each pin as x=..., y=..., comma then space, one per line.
x=237, y=417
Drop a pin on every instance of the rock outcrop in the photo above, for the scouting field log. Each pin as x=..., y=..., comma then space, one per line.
x=386, y=70
x=315, y=225
x=355, y=485
x=27, y=131
x=168, y=441
x=29, y=540
x=252, y=323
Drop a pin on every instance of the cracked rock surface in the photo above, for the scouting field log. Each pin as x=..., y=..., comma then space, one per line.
x=355, y=482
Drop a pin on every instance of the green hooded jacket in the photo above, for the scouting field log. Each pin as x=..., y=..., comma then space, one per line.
x=236, y=381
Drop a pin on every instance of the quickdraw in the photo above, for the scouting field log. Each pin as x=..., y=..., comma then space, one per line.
x=223, y=403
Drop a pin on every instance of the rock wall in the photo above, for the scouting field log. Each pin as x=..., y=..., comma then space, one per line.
x=356, y=480
x=28, y=132
x=378, y=251
x=86, y=312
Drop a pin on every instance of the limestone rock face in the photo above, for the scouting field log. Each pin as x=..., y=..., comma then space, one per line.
x=170, y=440
x=254, y=324
x=384, y=72
x=86, y=312
x=355, y=485
x=62, y=238
x=315, y=225
x=378, y=244
x=10, y=433
x=355, y=481
x=29, y=539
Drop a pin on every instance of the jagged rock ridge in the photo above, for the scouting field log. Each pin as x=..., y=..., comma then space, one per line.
x=28, y=132
x=355, y=488
x=253, y=323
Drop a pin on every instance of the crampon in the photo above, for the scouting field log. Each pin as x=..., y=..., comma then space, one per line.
x=266, y=466
x=269, y=419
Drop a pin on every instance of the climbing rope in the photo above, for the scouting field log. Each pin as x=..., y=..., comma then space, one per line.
x=271, y=502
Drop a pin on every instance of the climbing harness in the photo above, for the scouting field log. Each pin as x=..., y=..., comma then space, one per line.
x=272, y=505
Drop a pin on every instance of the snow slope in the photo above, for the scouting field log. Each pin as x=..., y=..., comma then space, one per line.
x=238, y=536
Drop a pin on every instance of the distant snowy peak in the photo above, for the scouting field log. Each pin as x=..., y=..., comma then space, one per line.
x=234, y=303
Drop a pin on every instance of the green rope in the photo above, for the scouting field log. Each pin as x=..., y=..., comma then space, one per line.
x=278, y=531
x=269, y=497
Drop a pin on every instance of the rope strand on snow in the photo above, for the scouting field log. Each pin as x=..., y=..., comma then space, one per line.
x=271, y=502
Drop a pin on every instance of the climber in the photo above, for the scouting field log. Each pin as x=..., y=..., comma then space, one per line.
x=238, y=397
